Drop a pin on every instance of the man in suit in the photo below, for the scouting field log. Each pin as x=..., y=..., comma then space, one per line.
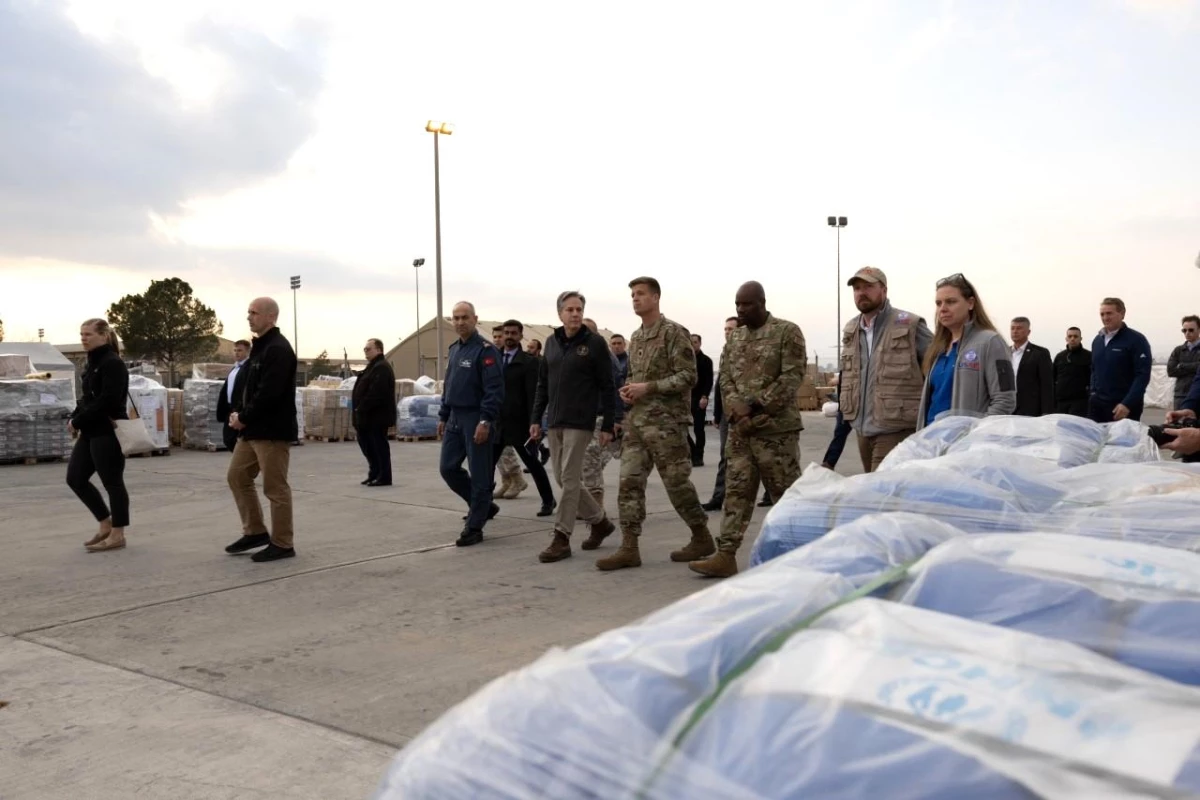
x=234, y=382
x=374, y=407
x=1035, y=372
x=700, y=393
x=520, y=389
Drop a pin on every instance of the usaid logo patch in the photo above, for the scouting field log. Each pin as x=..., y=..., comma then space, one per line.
x=970, y=360
x=903, y=317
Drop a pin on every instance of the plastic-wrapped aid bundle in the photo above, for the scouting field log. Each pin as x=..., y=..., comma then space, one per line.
x=33, y=418
x=821, y=500
x=583, y=723
x=1104, y=484
x=1062, y=439
x=1136, y=603
x=1127, y=442
x=929, y=442
x=879, y=699
x=152, y=408
x=300, y=429
x=1168, y=520
x=200, y=426
x=417, y=415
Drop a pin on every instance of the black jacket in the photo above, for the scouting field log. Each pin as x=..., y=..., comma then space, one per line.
x=1182, y=367
x=704, y=380
x=576, y=376
x=1035, y=383
x=267, y=404
x=718, y=406
x=1072, y=375
x=224, y=407
x=374, y=397
x=520, y=393
x=105, y=393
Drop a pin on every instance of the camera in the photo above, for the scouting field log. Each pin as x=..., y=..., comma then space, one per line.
x=1160, y=438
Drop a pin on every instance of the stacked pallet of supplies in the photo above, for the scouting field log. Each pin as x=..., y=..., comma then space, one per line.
x=211, y=371
x=300, y=429
x=175, y=416
x=33, y=418
x=327, y=414
x=14, y=366
x=201, y=430
x=149, y=398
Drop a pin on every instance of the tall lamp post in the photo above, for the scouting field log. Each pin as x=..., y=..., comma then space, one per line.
x=438, y=128
x=417, y=264
x=839, y=223
x=295, y=324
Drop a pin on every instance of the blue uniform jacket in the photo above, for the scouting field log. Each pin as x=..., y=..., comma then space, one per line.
x=1121, y=370
x=1192, y=401
x=474, y=381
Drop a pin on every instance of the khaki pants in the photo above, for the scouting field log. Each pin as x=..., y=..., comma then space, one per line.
x=873, y=449
x=567, y=447
x=271, y=458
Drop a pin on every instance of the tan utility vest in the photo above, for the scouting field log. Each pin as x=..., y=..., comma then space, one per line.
x=898, y=381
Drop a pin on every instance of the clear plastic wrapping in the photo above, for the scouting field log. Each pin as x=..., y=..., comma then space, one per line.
x=1062, y=439
x=149, y=397
x=327, y=413
x=417, y=415
x=201, y=430
x=33, y=418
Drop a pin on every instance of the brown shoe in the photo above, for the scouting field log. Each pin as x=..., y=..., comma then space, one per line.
x=627, y=554
x=600, y=531
x=560, y=548
x=701, y=546
x=721, y=565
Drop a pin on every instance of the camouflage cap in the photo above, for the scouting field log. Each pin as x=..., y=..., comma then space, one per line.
x=870, y=275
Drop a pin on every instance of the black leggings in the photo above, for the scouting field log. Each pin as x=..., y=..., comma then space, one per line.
x=100, y=454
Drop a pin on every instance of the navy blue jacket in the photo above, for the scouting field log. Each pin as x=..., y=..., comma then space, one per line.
x=1192, y=401
x=474, y=379
x=1121, y=369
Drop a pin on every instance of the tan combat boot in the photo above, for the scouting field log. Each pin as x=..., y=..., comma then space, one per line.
x=721, y=565
x=559, y=548
x=501, y=492
x=627, y=554
x=699, y=547
x=600, y=532
x=517, y=485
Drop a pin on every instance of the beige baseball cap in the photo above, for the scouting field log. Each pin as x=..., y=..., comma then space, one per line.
x=870, y=275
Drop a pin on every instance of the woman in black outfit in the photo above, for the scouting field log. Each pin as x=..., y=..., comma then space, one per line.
x=105, y=388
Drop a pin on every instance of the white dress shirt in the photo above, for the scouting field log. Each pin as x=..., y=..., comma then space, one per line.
x=1017, y=354
x=232, y=378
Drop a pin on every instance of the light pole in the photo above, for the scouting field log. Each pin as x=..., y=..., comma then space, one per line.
x=295, y=324
x=438, y=128
x=417, y=264
x=839, y=223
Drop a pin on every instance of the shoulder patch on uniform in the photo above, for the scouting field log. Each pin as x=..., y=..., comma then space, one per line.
x=903, y=318
x=489, y=361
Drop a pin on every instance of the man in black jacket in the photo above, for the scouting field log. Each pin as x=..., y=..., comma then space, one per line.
x=520, y=391
x=1034, y=370
x=1072, y=376
x=374, y=407
x=264, y=415
x=575, y=378
x=234, y=382
x=700, y=393
x=1184, y=359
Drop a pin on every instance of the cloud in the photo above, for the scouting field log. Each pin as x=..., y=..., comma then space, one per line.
x=94, y=146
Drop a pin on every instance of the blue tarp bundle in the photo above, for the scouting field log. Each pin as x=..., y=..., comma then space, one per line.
x=418, y=415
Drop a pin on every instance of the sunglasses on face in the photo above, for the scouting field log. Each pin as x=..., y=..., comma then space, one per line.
x=1188, y=330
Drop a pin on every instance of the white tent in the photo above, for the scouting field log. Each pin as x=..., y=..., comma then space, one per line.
x=45, y=358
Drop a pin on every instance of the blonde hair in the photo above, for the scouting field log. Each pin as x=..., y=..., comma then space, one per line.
x=941, y=334
x=102, y=327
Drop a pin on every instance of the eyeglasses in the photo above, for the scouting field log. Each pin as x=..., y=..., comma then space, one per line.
x=1188, y=330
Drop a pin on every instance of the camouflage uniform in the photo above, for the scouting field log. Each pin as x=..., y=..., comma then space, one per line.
x=510, y=464
x=656, y=426
x=764, y=369
x=595, y=459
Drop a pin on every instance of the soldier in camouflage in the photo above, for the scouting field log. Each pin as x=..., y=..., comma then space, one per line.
x=597, y=456
x=761, y=371
x=662, y=372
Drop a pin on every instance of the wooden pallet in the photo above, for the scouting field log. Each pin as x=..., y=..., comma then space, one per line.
x=31, y=460
x=329, y=438
x=151, y=453
x=418, y=438
x=211, y=448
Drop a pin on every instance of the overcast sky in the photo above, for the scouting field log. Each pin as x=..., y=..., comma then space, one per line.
x=1049, y=151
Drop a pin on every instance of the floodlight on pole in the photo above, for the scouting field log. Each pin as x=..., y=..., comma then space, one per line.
x=438, y=129
x=295, y=323
x=839, y=223
x=417, y=264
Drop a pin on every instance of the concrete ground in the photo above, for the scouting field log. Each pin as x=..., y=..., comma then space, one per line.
x=171, y=670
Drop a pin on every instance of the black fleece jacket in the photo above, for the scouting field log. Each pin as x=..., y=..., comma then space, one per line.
x=105, y=388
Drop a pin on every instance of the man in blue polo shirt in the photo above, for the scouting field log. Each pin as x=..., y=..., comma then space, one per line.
x=1121, y=364
x=472, y=396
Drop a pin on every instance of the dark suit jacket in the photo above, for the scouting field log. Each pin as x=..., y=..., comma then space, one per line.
x=1035, y=383
x=520, y=390
x=223, y=406
x=704, y=379
x=374, y=396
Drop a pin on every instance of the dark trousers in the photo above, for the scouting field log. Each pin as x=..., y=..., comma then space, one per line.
x=696, y=440
x=230, y=437
x=532, y=464
x=838, y=444
x=1077, y=407
x=458, y=445
x=373, y=442
x=718, y=496
x=1102, y=410
x=100, y=454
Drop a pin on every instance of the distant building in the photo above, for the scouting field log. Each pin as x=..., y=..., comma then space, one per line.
x=403, y=357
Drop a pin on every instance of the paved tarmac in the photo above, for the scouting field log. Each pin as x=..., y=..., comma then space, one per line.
x=171, y=670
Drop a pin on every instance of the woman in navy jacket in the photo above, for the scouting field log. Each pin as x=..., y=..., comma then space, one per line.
x=105, y=388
